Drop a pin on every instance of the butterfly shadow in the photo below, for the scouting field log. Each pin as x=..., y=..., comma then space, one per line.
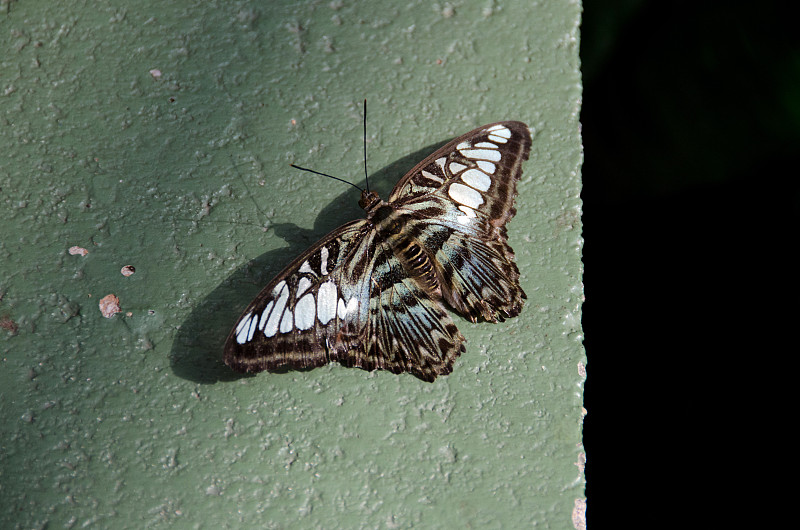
x=196, y=353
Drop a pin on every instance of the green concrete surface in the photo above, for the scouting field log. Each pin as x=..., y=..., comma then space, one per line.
x=158, y=135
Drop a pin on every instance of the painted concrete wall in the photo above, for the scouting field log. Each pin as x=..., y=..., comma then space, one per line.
x=159, y=135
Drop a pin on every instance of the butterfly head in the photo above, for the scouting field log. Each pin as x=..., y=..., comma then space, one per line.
x=368, y=200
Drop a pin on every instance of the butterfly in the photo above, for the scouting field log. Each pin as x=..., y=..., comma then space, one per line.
x=372, y=293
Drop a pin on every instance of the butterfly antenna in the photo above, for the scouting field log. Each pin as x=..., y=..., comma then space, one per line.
x=325, y=175
x=366, y=173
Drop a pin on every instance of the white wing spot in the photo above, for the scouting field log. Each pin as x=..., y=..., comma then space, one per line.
x=248, y=327
x=455, y=167
x=304, y=312
x=242, y=328
x=488, y=167
x=252, y=328
x=343, y=310
x=326, y=302
x=278, y=288
x=302, y=286
x=275, y=317
x=265, y=314
x=286, y=322
x=477, y=179
x=440, y=162
x=500, y=130
x=469, y=214
x=242, y=322
x=323, y=256
x=498, y=139
x=429, y=175
x=352, y=305
x=486, y=145
x=305, y=267
x=465, y=195
x=485, y=154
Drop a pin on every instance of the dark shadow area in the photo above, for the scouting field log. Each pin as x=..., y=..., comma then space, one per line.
x=196, y=353
x=691, y=127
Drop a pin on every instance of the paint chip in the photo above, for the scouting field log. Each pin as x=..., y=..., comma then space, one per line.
x=579, y=514
x=76, y=250
x=8, y=324
x=109, y=306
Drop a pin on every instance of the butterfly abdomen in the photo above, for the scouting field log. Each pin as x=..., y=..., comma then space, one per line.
x=419, y=266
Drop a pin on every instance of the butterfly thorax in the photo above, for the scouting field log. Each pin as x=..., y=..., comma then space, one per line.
x=395, y=228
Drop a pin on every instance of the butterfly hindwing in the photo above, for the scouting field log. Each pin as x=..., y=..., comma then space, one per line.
x=408, y=330
x=484, y=280
x=370, y=294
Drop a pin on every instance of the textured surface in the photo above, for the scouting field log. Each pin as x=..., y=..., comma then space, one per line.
x=159, y=137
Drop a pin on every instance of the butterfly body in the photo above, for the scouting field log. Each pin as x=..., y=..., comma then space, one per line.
x=371, y=293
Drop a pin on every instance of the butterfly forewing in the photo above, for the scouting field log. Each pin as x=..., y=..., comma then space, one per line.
x=477, y=173
x=307, y=311
x=371, y=293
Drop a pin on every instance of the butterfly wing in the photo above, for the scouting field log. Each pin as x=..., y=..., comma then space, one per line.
x=457, y=202
x=346, y=299
x=305, y=314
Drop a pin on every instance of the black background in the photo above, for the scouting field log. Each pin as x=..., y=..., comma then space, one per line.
x=691, y=122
